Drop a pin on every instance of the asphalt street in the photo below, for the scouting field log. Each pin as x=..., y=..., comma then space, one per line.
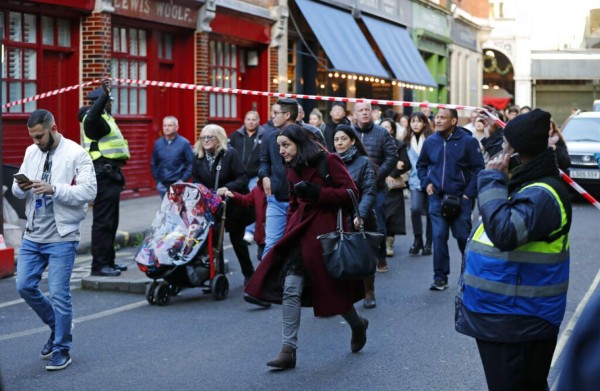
x=123, y=343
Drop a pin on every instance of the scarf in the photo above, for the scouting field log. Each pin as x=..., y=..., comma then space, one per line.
x=416, y=143
x=210, y=159
x=348, y=155
x=543, y=165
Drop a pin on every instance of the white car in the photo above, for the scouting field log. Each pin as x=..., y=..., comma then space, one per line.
x=582, y=135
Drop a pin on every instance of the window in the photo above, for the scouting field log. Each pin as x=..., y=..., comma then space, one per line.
x=22, y=50
x=224, y=70
x=130, y=60
x=165, y=46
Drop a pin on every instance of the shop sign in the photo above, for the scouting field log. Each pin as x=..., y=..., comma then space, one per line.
x=157, y=11
x=430, y=19
x=464, y=35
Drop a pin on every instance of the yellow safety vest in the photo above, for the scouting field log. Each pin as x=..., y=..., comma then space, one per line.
x=111, y=146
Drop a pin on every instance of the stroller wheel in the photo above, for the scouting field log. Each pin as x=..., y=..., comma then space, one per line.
x=150, y=292
x=174, y=289
x=219, y=287
x=161, y=294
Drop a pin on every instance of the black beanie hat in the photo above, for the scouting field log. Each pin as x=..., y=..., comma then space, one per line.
x=528, y=133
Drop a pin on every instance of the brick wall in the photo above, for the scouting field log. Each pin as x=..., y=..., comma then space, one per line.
x=273, y=73
x=202, y=78
x=96, y=39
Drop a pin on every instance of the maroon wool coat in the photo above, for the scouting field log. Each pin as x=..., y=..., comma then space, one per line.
x=258, y=200
x=305, y=221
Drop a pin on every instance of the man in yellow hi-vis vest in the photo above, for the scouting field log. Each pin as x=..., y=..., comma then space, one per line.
x=109, y=151
x=512, y=291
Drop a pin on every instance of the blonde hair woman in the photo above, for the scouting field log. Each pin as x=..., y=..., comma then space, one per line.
x=220, y=168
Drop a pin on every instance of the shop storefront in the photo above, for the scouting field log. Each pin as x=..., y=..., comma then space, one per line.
x=41, y=53
x=466, y=68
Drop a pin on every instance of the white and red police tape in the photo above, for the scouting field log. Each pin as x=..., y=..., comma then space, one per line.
x=224, y=90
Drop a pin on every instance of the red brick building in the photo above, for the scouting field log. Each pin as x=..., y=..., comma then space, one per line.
x=56, y=43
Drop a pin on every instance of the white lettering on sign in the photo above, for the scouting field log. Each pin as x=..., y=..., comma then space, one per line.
x=173, y=11
x=141, y=6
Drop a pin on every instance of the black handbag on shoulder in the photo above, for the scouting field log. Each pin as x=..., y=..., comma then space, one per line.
x=350, y=255
x=450, y=206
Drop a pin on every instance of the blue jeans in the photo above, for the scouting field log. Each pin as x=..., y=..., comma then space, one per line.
x=461, y=228
x=57, y=312
x=252, y=185
x=275, y=224
x=380, y=214
x=419, y=206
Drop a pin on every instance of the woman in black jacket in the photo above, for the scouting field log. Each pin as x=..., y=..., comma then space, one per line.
x=219, y=168
x=395, y=215
x=351, y=150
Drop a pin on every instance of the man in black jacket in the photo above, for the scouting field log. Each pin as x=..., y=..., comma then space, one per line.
x=246, y=140
x=382, y=151
x=103, y=140
x=337, y=116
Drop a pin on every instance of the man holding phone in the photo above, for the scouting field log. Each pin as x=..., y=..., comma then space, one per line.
x=57, y=181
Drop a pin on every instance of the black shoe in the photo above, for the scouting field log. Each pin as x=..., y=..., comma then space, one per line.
x=255, y=301
x=47, y=349
x=427, y=248
x=369, y=302
x=417, y=246
x=118, y=267
x=439, y=285
x=359, y=337
x=60, y=360
x=106, y=271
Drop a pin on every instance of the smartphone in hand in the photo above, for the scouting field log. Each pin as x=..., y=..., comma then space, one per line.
x=21, y=178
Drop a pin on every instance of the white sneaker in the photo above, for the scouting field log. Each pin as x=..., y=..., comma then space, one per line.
x=248, y=237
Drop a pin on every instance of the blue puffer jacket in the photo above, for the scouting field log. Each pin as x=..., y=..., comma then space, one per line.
x=451, y=165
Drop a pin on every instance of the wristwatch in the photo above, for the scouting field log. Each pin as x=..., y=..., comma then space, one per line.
x=53, y=189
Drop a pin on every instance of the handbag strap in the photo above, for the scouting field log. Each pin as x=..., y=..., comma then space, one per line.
x=361, y=227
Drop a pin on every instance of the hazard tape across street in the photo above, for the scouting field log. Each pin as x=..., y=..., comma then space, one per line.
x=226, y=90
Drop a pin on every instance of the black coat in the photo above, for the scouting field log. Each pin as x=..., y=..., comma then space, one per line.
x=248, y=149
x=381, y=149
x=232, y=176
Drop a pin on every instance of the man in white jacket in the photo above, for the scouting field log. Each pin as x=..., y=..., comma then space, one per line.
x=57, y=182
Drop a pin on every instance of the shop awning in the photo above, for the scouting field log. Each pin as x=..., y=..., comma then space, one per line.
x=341, y=38
x=400, y=52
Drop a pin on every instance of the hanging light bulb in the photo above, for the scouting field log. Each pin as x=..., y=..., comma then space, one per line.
x=330, y=74
x=360, y=78
x=336, y=74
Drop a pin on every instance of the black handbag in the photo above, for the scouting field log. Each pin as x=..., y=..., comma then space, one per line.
x=350, y=255
x=450, y=206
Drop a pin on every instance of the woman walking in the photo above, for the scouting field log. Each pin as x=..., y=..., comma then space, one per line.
x=293, y=272
x=395, y=215
x=219, y=168
x=352, y=152
x=418, y=130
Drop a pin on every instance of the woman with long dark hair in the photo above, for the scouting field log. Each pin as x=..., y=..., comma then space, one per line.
x=419, y=128
x=395, y=215
x=352, y=152
x=293, y=272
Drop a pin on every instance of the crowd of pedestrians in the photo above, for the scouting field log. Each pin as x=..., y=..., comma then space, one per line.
x=286, y=180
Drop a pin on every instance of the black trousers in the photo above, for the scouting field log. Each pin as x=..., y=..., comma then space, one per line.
x=105, y=222
x=240, y=247
x=517, y=366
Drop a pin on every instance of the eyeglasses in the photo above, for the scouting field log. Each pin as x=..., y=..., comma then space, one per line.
x=276, y=113
x=207, y=138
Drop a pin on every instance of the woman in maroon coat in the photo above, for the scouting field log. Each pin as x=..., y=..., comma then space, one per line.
x=293, y=272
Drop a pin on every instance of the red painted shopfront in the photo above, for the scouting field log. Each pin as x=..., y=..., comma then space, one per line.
x=41, y=46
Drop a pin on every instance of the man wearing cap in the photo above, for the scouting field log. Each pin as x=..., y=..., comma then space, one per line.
x=513, y=288
x=103, y=140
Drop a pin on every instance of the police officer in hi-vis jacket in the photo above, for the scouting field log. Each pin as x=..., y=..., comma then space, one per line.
x=103, y=140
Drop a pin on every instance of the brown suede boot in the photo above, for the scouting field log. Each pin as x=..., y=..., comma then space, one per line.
x=359, y=337
x=285, y=359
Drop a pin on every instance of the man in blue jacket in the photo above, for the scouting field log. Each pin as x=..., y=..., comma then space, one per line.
x=172, y=157
x=513, y=287
x=448, y=165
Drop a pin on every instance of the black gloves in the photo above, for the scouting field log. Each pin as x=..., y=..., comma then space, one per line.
x=307, y=190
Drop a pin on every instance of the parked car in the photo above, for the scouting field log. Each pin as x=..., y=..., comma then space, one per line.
x=582, y=135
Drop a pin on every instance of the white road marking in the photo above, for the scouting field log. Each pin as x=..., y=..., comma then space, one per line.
x=78, y=320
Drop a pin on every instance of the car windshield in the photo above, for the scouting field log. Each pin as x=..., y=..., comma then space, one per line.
x=582, y=129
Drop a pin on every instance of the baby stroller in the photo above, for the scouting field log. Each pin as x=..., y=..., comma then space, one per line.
x=185, y=246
